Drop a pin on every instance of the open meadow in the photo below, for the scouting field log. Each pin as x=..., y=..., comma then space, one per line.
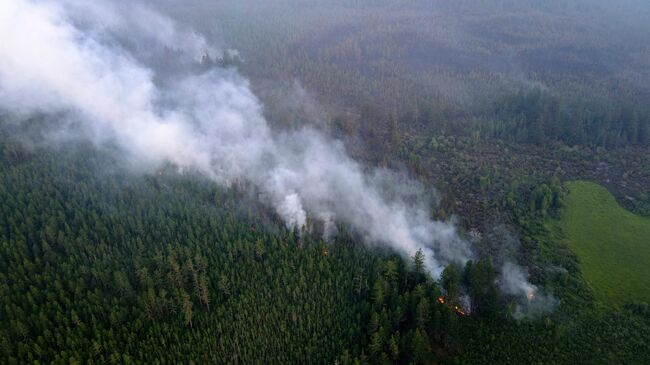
x=612, y=244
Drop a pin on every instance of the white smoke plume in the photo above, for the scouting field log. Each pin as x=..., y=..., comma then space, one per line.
x=513, y=280
x=94, y=61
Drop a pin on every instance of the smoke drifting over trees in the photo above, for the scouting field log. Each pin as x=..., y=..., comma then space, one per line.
x=320, y=181
x=71, y=58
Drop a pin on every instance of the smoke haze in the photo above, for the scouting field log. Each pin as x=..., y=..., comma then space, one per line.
x=118, y=82
x=91, y=63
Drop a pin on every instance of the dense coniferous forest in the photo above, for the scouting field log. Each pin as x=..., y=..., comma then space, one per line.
x=161, y=269
x=494, y=106
x=538, y=118
x=170, y=268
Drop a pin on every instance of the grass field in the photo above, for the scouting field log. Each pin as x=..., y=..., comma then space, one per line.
x=612, y=244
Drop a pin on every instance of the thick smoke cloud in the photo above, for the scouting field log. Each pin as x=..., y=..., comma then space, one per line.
x=95, y=62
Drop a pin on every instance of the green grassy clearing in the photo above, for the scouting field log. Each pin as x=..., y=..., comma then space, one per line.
x=612, y=244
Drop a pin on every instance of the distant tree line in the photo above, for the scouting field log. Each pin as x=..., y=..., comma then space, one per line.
x=539, y=117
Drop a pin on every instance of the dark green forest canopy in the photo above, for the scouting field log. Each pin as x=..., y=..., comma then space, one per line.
x=496, y=103
x=100, y=265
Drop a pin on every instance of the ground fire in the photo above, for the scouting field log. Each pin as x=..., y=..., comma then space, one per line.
x=530, y=295
x=456, y=308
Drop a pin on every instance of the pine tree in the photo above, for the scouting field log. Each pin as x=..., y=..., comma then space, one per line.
x=418, y=261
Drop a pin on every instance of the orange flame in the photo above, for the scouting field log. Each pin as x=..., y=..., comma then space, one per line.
x=459, y=311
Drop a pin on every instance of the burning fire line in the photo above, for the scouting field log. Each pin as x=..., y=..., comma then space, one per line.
x=456, y=308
